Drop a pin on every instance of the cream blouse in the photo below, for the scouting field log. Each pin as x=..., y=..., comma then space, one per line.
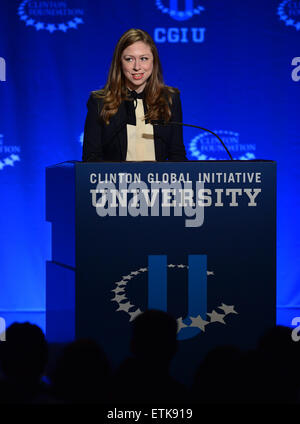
x=140, y=137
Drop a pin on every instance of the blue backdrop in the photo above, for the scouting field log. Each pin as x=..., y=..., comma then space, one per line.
x=236, y=65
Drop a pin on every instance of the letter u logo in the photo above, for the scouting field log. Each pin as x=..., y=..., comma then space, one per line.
x=197, y=288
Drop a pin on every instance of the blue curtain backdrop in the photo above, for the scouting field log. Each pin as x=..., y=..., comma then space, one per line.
x=235, y=63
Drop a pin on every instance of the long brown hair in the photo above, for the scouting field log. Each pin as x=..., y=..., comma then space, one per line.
x=157, y=94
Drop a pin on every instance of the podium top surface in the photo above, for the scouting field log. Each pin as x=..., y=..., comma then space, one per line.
x=71, y=163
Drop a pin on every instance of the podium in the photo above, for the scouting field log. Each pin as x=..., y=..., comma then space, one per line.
x=196, y=239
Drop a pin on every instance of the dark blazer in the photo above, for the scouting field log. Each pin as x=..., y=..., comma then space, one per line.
x=109, y=142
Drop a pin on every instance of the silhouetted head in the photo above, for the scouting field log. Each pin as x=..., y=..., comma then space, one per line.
x=82, y=372
x=24, y=354
x=276, y=340
x=277, y=347
x=217, y=378
x=154, y=335
x=279, y=356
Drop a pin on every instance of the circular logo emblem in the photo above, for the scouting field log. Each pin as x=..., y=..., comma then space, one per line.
x=51, y=15
x=179, y=15
x=207, y=147
x=188, y=323
x=289, y=13
x=9, y=155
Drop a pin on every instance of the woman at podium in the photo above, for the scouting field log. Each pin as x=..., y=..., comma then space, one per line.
x=128, y=119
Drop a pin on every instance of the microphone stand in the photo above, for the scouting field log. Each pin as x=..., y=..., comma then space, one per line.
x=200, y=128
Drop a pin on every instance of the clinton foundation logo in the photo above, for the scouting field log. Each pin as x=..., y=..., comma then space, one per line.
x=207, y=147
x=179, y=15
x=51, y=15
x=185, y=294
x=289, y=13
x=9, y=155
x=179, y=11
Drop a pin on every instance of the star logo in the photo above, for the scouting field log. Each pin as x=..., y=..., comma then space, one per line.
x=286, y=12
x=62, y=27
x=72, y=24
x=180, y=324
x=119, y=298
x=125, y=306
x=127, y=277
x=118, y=290
x=121, y=283
x=179, y=15
x=29, y=22
x=198, y=145
x=193, y=321
x=24, y=11
x=134, y=314
x=228, y=309
x=198, y=322
x=39, y=25
x=9, y=161
x=289, y=22
x=51, y=28
x=215, y=317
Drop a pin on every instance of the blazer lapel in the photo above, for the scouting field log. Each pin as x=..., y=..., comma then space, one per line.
x=120, y=123
x=158, y=141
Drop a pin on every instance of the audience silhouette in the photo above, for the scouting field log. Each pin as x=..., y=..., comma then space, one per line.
x=145, y=377
x=23, y=359
x=278, y=370
x=82, y=372
x=217, y=378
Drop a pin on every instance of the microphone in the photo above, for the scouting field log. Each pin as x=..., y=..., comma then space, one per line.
x=163, y=123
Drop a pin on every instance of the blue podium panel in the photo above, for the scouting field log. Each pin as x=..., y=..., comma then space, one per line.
x=197, y=239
